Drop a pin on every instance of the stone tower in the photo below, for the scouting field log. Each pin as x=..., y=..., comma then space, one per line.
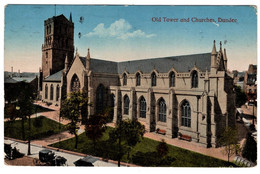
x=58, y=42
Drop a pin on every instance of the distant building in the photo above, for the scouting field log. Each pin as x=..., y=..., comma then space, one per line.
x=191, y=94
x=12, y=80
x=250, y=83
x=238, y=78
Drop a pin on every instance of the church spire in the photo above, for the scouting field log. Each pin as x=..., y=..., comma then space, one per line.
x=214, y=48
x=70, y=17
x=88, y=61
x=213, y=58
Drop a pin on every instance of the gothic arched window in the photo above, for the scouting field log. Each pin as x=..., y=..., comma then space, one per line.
x=126, y=105
x=172, y=79
x=46, y=91
x=186, y=114
x=142, y=107
x=162, y=110
x=194, y=79
x=138, y=79
x=57, y=92
x=51, y=95
x=124, y=79
x=100, y=98
x=75, y=84
x=153, y=79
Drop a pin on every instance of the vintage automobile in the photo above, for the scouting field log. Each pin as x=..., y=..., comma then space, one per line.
x=11, y=153
x=86, y=161
x=48, y=158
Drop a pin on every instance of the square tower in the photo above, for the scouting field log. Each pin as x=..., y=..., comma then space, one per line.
x=58, y=42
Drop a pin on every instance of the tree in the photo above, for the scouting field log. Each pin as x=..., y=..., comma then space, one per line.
x=10, y=111
x=250, y=150
x=24, y=105
x=229, y=140
x=241, y=97
x=129, y=132
x=162, y=148
x=71, y=110
x=95, y=127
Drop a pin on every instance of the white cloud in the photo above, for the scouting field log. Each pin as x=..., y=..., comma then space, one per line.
x=215, y=24
x=120, y=29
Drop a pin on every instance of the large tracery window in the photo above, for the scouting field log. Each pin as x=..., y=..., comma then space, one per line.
x=186, y=114
x=153, y=79
x=126, y=105
x=162, y=110
x=51, y=95
x=142, y=107
x=138, y=79
x=46, y=91
x=172, y=79
x=75, y=84
x=57, y=92
x=100, y=98
x=124, y=79
x=194, y=79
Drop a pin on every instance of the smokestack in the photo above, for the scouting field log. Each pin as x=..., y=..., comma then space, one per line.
x=12, y=71
x=18, y=73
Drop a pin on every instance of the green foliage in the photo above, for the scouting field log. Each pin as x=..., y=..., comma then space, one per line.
x=229, y=140
x=108, y=150
x=162, y=149
x=241, y=97
x=95, y=127
x=130, y=132
x=49, y=127
x=71, y=110
x=10, y=111
x=250, y=150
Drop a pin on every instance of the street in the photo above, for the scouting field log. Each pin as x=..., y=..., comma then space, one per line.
x=23, y=148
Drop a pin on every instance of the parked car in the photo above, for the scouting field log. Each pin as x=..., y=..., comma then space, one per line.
x=86, y=161
x=47, y=157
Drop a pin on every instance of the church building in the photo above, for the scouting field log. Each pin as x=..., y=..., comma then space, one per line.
x=189, y=94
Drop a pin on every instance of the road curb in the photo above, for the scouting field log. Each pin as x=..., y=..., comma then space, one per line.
x=85, y=155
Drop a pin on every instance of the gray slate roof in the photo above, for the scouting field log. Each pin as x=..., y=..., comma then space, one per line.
x=9, y=80
x=163, y=65
x=101, y=66
x=54, y=77
x=180, y=63
x=26, y=79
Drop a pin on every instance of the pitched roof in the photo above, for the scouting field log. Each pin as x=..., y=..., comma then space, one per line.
x=180, y=63
x=9, y=80
x=164, y=64
x=101, y=66
x=54, y=77
x=26, y=79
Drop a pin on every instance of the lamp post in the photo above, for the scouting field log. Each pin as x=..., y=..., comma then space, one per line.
x=29, y=138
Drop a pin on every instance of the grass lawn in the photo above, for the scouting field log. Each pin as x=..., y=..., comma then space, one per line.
x=145, y=150
x=41, y=127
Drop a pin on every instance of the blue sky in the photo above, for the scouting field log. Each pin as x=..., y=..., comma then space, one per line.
x=121, y=33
